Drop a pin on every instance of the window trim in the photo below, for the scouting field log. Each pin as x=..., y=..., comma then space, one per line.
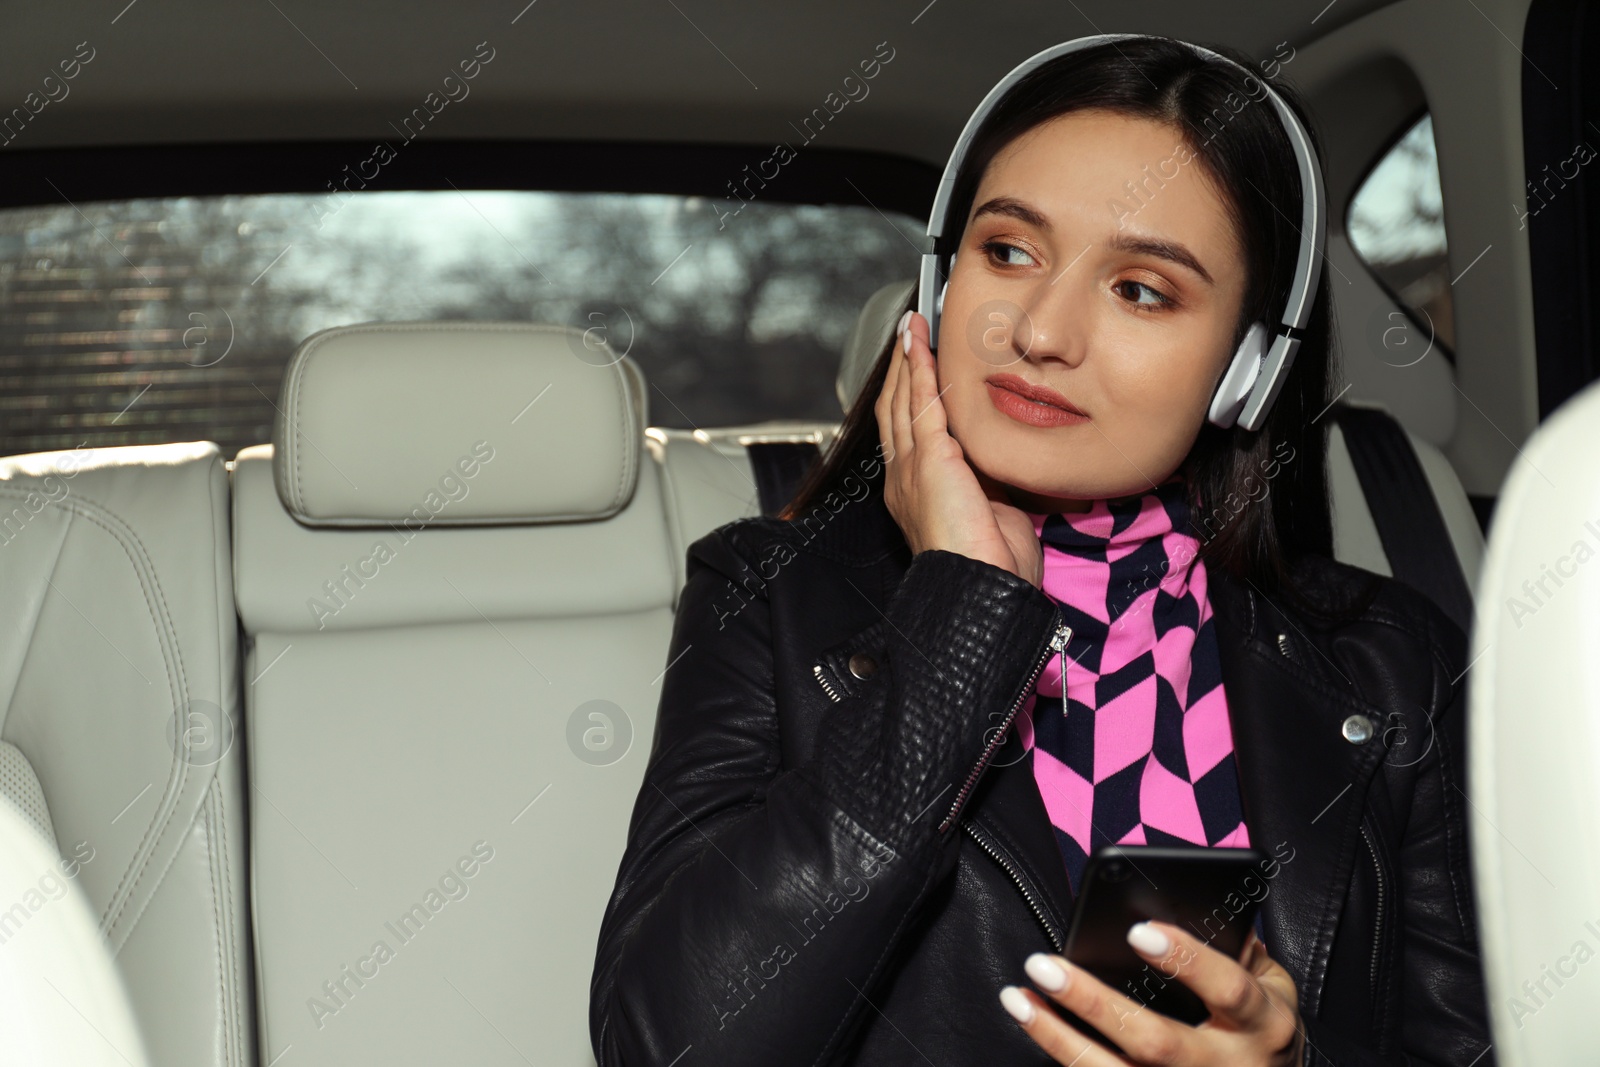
x=820, y=176
x=1564, y=237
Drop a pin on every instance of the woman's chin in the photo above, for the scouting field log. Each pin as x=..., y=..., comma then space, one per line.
x=1049, y=503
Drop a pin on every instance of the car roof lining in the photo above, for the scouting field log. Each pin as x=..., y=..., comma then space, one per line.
x=706, y=72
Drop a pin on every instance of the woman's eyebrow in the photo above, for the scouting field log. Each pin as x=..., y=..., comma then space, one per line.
x=1171, y=251
x=1010, y=205
x=1161, y=248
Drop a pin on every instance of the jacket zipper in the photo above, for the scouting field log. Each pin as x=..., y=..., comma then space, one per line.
x=1377, y=924
x=1057, y=644
x=816, y=669
x=1050, y=931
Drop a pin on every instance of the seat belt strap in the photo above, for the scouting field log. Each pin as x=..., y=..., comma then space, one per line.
x=1404, y=509
x=780, y=467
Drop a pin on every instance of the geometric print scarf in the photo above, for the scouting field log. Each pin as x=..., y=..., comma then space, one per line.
x=1137, y=749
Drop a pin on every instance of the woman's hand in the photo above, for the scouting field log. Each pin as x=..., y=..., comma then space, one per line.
x=1255, y=1014
x=938, y=499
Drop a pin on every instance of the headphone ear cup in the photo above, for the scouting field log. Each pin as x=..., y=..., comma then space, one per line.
x=1234, y=388
x=937, y=319
x=938, y=307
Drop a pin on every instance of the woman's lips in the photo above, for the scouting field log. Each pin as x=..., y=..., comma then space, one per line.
x=1005, y=394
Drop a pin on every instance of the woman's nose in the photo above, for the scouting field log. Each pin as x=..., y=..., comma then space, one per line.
x=1051, y=323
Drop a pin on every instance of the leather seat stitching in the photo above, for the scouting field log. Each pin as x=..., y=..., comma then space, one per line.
x=161, y=620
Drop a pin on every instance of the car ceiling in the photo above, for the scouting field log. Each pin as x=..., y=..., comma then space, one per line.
x=695, y=71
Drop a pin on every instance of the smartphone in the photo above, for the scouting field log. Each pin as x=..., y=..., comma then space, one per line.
x=1213, y=893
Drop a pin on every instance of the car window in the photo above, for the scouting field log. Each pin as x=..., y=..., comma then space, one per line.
x=146, y=321
x=1396, y=225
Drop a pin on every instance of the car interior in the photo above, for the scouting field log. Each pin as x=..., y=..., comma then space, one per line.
x=369, y=369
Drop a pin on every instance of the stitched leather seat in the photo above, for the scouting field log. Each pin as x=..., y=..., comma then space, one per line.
x=120, y=679
x=455, y=571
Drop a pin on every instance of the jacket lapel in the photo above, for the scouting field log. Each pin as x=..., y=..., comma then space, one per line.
x=1304, y=787
x=1007, y=808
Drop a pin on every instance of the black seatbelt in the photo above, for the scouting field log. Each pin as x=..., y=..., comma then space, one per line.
x=1404, y=510
x=780, y=466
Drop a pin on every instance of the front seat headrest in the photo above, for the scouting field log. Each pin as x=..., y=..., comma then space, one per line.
x=457, y=424
x=870, y=336
x=1532, y=741
x=62, y=999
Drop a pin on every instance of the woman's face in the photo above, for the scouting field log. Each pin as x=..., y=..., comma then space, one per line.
x=1100, y=262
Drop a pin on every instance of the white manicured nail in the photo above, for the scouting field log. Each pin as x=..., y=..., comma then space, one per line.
x=1019, y=1006
x=900, y=327
x=1148, y=939
x=1046, y=971
x=905, y=340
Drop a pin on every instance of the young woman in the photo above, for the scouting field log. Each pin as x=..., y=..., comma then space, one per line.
x=993, y=633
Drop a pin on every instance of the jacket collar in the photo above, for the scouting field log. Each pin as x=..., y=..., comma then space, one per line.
x=1302, y=784
x=853, y=527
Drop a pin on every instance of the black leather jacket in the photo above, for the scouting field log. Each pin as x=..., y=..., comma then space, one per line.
x=839, y=854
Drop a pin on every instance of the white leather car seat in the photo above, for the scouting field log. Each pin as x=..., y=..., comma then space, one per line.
x=119, y=680
x=62, y=1002
x=455, y=572
x=1534, y=744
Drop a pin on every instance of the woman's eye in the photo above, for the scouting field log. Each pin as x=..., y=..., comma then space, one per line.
x=998, y=249
x=1159, y=298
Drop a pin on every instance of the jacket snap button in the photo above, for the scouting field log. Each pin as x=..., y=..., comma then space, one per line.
x=862, y=665
x=1357, y=729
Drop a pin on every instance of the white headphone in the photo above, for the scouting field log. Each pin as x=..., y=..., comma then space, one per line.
x=1254, y=378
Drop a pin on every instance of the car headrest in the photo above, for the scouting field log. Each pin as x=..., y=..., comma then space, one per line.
x=384, y=422
x=1532, y=742
x=870, y=336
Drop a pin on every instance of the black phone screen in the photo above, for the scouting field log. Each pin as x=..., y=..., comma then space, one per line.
x=1213, y=893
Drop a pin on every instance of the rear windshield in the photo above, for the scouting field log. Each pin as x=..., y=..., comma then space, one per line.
x=149, y=321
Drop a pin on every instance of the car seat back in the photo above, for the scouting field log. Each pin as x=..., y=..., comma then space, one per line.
x=454, y=567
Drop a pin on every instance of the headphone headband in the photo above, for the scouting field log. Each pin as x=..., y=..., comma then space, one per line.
x=1313, y=216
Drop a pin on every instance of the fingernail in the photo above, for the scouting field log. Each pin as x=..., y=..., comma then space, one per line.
x=1020, y=1007
x=905, y=340
x=900, y=327
x=1148, y=939
x=1047, y=972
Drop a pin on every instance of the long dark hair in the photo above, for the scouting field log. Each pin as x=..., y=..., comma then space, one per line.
x=1235, y=135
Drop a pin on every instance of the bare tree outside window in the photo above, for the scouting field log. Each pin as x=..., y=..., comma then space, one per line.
x=1396, y=225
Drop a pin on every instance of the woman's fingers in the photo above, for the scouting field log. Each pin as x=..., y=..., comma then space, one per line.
x=927, y=407
x=1259, y=1009
x=1143, y=1033
x=1254, y=958
x=1233, y=995
x=885, y=405
x=1049, y=1031
x=899, y=419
